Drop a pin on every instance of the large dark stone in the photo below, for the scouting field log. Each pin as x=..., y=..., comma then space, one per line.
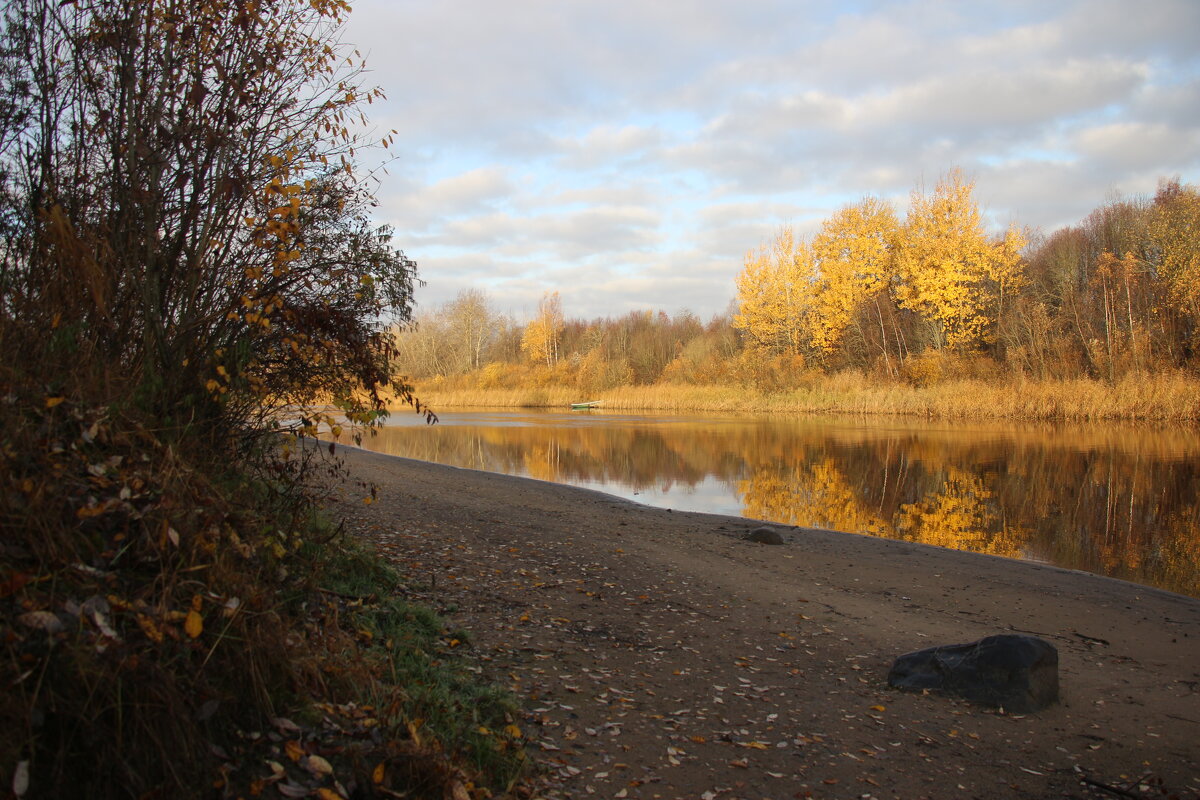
x=1016, y=673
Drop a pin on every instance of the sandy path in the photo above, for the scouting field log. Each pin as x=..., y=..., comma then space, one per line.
x=661, y=656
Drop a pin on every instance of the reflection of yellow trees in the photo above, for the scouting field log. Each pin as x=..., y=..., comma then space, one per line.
x=958, y=515
x=1179, y=554
x=816, y=495
x=542, y=462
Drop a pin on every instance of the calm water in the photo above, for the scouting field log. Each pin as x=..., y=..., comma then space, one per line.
x=1118, y=501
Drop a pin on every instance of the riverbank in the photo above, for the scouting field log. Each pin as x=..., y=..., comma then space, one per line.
x=660, y=655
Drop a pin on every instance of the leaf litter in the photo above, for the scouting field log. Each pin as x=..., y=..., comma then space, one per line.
x=654, y=673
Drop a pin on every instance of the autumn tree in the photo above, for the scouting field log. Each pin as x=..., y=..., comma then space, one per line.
x=775, y=295
x=1174, y=228
x=185, y=247
x=541, y=339
x=854, y=256
x=182, y=207
x=949, y=272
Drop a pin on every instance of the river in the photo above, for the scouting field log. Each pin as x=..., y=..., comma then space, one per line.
x=1121, y=501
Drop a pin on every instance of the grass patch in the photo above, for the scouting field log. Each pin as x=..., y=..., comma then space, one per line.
x=407, y=645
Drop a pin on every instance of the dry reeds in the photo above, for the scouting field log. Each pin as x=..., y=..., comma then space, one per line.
x=1166, y=397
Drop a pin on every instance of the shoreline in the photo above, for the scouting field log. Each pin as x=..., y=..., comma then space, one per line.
x=1138, y=565
x=557, y=583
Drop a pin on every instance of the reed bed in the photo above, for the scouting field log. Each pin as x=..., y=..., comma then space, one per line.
x=1165, y=397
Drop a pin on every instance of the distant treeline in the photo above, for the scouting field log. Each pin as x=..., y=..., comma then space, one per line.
x=919, y=300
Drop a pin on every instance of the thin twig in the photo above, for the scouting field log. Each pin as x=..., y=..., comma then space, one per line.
x=1111, y=789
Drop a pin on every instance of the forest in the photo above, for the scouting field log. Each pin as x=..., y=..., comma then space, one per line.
x=873, y=300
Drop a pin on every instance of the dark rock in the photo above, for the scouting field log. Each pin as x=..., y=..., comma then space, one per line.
x=1016, y=673
x=765, y=535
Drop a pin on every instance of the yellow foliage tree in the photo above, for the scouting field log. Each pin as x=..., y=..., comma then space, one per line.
x=540, y=341
x=1175, y=234
x=948, y=270
x=853, y=252
x=775, y=294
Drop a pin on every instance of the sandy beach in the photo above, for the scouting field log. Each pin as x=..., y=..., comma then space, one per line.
x=658, y=654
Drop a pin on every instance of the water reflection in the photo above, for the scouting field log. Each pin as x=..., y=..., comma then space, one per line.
x=1119, y=501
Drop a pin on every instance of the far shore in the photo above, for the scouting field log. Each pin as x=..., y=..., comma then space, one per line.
x=1167, y=397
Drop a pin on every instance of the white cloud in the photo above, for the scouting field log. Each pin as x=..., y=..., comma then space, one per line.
x=1128, y=146
x=629, y=154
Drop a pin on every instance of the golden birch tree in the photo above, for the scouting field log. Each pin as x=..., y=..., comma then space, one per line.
x=948, y=271
x=775, y=294
x=853, y=251
x=540, y=341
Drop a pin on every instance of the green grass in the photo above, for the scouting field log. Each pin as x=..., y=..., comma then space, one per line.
x=410, y=648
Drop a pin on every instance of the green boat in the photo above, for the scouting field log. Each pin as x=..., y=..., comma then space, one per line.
x=581, y=406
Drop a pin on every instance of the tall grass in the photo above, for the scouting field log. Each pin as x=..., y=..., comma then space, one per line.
x=1172, y=396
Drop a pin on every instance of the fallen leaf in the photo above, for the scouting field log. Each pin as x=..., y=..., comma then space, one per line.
x=329, y=794
x=41, y=620
x=20, y=781
x=149, y=628
x=379, y=773
x=292, y=748
x=879, y=708
x=194, y=624
x=318, y=766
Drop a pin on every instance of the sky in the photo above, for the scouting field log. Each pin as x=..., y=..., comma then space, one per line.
x=628, y=154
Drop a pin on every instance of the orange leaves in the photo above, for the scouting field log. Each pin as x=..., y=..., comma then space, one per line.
x=293, y=750
x=150, y=628
x=97, y=509
x=193, y=625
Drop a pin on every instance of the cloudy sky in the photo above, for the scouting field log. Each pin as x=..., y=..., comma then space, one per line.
x=628, y=154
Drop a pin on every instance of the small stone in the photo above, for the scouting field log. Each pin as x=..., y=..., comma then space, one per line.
x=765, y=534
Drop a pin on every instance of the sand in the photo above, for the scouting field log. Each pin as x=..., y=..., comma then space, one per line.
x=658, y=654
